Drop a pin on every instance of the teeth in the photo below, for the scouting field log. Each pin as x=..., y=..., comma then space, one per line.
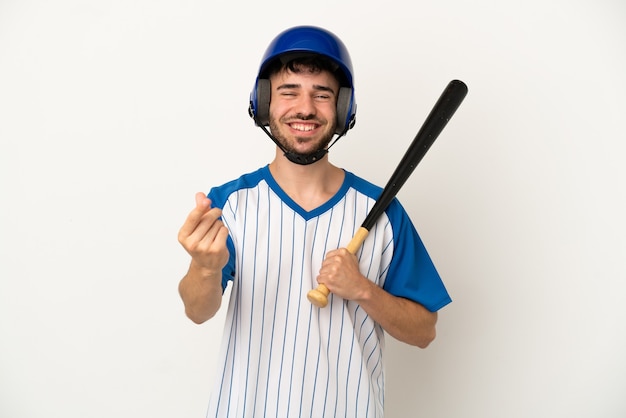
x=302, y=127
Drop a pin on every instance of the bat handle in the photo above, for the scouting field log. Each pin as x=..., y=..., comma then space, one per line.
x=319, y=295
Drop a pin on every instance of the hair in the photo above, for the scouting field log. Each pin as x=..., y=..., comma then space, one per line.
x=305, y=63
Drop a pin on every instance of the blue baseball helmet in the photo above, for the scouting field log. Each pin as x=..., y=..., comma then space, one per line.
x=300, y=41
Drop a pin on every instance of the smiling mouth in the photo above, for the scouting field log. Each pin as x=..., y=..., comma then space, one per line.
x=303, y=127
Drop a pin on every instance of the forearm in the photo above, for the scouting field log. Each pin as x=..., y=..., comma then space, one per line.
x=403, y=319
x=201, y=292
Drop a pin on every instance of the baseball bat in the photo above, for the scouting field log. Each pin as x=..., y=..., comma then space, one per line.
x=437, y=119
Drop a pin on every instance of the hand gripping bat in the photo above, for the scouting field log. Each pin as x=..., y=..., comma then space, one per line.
x=448, y=103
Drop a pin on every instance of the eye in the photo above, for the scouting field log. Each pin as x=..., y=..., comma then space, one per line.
x=288, y=94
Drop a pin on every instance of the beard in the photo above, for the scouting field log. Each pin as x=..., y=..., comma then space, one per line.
x=288, y=145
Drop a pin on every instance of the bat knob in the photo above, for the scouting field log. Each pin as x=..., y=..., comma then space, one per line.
x=319, y=296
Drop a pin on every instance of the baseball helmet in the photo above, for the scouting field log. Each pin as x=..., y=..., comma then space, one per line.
x=301, y=41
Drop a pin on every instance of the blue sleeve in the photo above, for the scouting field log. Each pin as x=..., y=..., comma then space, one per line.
x=228, y=272
x=412, y=274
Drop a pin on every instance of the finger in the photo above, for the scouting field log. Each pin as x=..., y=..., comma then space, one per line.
x=202, y=201
x=203, y=205
x=206, y=227
x=207, y=233
x=339, y=252
x=216, y=254
x=222, y=235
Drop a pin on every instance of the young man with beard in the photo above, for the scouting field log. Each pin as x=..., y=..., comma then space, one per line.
x=279, y=231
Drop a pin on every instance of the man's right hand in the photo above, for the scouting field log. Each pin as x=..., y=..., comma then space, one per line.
x=203, y=235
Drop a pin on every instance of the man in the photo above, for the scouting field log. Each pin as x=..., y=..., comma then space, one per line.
x=278, y=232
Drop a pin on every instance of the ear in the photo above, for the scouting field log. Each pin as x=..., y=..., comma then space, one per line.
x=261, y=108
x=345, y=117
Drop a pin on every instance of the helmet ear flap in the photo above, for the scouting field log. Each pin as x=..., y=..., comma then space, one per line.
x=345, y=113
x=261, y=109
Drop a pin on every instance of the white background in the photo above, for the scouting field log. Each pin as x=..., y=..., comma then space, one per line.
x=114, y=113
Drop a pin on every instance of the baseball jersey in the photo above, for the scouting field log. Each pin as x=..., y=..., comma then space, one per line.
x=281, y=356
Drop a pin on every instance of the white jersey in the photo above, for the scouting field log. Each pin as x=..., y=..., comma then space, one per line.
x=281, y=356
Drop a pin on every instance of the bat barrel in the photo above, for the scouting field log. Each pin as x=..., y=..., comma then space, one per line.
x=437, y=119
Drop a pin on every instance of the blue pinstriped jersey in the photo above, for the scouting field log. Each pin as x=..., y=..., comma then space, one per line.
x=280, y=355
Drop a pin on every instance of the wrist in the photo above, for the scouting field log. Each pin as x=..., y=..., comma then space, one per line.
x=367, y=292
x=205, y=272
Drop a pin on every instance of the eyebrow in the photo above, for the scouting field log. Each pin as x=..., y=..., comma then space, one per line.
x=296, y=86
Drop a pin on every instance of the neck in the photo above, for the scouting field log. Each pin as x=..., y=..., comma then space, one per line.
x=308, y=185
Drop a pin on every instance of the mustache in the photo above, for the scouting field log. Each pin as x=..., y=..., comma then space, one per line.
x=303, y=117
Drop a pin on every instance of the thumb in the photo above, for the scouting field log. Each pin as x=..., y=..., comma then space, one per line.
x=202, y=202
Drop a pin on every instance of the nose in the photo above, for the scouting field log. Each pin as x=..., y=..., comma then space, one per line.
x=305, y=106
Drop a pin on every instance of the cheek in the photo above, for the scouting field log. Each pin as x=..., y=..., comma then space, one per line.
x=278, y=108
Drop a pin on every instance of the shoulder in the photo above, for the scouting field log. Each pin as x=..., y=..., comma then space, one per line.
x=394, y=211
x=220, y=194
x=363, y=186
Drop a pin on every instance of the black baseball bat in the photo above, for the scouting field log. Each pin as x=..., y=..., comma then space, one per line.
x=437, y=119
